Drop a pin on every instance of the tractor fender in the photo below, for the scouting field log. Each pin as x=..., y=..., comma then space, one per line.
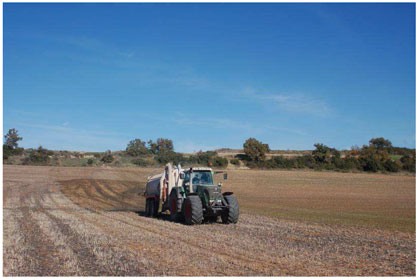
x=154, y=197
x=176, y=191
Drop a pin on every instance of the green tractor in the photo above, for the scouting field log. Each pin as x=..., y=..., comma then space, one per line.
x=191, y=196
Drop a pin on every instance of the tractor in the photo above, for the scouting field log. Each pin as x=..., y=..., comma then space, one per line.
x=190, y=195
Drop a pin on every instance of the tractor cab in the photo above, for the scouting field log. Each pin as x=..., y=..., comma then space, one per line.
x=197, y=176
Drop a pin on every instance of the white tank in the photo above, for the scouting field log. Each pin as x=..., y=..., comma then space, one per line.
x=153, y=185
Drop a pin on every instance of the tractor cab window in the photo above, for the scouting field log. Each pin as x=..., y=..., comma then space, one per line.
x=187, y=178
x=202, y=178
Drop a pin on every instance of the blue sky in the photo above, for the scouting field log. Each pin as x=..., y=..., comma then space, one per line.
x=92, y=77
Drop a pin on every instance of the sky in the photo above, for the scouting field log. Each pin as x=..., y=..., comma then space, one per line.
x=92, y=77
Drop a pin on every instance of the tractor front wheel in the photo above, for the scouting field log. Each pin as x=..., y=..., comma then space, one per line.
x=231, y=216
x=193, y=210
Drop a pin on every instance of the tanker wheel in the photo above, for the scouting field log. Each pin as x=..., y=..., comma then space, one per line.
x=231, y=216
x=153, y=208
x=193, y=210
x=147, y=208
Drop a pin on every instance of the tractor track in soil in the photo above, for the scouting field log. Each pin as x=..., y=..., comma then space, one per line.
x=81, y=205
x=42, y=256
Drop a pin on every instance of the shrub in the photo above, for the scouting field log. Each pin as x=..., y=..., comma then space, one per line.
x=108, y=157
x=408, y=163
x=305, y=161
x=203, y=158
x=372, y=159
x=169, y=156
x=391, y=166
x=9, y=151
x=140, y=162
x=90, y=161
x=235, y=161
x=39, y=156
x=219, y=162
x=324, y=154
x=351, y=163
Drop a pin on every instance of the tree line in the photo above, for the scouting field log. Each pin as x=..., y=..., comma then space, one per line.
x=377, y=156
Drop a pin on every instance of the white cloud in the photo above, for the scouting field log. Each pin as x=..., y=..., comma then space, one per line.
x=60, y=137
x=297, y=103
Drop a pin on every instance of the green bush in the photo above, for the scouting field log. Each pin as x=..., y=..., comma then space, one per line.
x=219, y=162
x=169, y=156
x=90, y=161
x=140, y=162
x=10, y=151
x=235, y=161
x=307, y=161
x=324, y=154
x=351, y=163
x=408, y=163
x=391, y=166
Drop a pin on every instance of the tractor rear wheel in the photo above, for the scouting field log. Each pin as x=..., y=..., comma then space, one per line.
x=231, y=216
x=193, y=210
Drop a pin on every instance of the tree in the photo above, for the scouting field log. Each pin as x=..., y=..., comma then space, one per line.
x=354, y=151
x=380, y=143
x=12, y=138
x=255, y=150
x=136, y=147
x=11, y=146
x=324, y=154
x=372, y=159
x=161, y=145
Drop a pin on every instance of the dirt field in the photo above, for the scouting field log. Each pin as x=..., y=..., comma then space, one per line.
x=88, y=221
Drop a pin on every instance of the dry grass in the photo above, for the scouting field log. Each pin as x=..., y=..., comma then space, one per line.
x=84, y=221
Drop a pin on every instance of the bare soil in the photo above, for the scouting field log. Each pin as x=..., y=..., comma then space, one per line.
x=89, y=221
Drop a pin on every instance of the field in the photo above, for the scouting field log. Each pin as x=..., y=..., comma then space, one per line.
x=89, y=221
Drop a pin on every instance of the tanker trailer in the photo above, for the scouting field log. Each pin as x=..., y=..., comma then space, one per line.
x=158, y=188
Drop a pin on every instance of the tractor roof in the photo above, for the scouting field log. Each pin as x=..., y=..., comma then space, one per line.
x=201, y=168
